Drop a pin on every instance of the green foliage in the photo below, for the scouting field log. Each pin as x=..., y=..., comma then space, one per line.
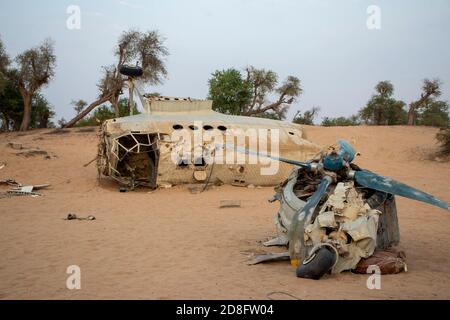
x=307, y=117
x=443, y=137
x=36, y=67
x=341, y=121
x=431, y=90
x=148, y=49
x=78, y=105
x=11, y=109
x=102, y=113
x=4, y=63
x=41, y=112
x=229, y=92
x=382, y=108
x=62, y=122
x=434, y=113
x=232, y=93
x=269, y=115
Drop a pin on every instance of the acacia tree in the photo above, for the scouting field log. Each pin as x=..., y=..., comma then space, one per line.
x=307, y=117
x=78, y=105
x=133, y=46
x=229, y=92
x=341, y=121
x=35, y=68
x=383, y=108
x=250, y=95
x=264, y=83
x=41, y=113
x=4, y=63
x=434, y=113
x=430, y=89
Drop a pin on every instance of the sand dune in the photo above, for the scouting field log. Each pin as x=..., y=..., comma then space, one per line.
x=172, y=244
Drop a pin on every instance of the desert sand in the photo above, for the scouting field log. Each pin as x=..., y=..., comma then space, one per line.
x=171, y=244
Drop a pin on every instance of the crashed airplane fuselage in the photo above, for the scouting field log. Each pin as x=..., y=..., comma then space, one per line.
x=176, y=141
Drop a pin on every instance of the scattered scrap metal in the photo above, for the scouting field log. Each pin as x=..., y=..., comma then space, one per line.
x=73, y=216
x=29, y=152
x=230, y=204
x=19, y=190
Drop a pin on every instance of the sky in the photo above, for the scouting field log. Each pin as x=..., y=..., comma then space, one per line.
x=338, y=49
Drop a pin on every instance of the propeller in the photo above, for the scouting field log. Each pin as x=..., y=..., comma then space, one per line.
x=296, y=229
x=255, y=153
x=310, y=205
x=341, y=157
x=372, y=180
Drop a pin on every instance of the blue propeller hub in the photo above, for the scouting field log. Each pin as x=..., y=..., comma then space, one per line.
x=336, y=159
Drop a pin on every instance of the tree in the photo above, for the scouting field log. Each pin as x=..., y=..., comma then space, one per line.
x=4, y=63
x=41, y=112
x=229, y=92
x=11, y=109
x=382, y=108
x=341, y=121
x=35, y=68
x=307, y=117
x=133, y=46
x=11, y=106
x=102, y=113
x=264, y=83
x=78, y=105
x=434, y=113
x=430, y=89
x=62, y=122
x=249, y=96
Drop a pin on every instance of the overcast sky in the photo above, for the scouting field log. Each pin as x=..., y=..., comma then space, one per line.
x=327, y=44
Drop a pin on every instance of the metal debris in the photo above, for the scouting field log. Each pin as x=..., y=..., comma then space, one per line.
x=23, y=193
x=29, y=152
x=15, y=145
x=200, y=175
x=270, y=256
x=164, y=185
x=10, y=182
x=230, y=204
x=19, y=190
x=32, y=152
x=73, y=216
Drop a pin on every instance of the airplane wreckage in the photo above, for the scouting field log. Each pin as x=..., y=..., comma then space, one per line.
x=174, y=142
x=333, y=215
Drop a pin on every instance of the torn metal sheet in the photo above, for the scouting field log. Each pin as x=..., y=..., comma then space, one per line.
x=266, y=257
x=230, y=204
x=282, y=240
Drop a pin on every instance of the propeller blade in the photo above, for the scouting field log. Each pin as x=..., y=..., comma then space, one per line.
x=306, y=212
x=303, y=217
x=255, y=153
x=374, y=181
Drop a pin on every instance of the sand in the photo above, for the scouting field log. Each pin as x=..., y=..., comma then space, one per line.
x=171, y=244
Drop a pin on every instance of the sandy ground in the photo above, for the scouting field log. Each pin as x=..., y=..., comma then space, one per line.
x=172, y=244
